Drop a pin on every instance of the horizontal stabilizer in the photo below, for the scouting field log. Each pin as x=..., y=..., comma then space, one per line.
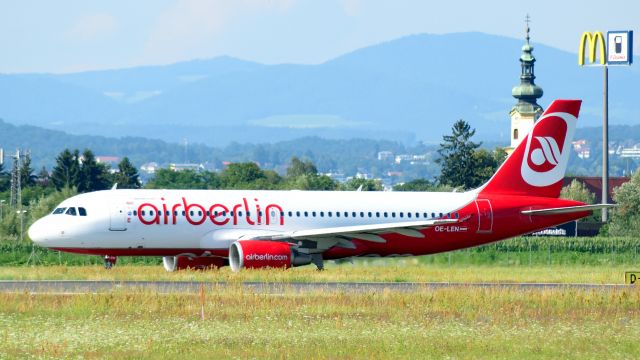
x=567, y=210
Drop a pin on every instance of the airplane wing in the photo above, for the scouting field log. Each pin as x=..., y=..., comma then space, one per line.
x=341, y=236
x=567, y=210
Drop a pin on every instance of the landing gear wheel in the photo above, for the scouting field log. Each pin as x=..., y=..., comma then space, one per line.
x=110, y=261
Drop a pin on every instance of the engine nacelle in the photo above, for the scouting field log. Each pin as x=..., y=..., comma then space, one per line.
x=254, y=254
x=173, y=263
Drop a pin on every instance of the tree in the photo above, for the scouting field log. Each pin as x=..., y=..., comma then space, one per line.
x=127, y=176
x=485, y=164
x=299, y=167
x=239, y=175
x=312, y=182
x=625, y=219
x=27, y=178
x=367, y=185
x=578, y=192
x=65, y=173
x=93, y=175
x=169, y=179
x=457, y=157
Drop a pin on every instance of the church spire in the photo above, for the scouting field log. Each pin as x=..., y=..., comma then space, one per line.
x=527, y=92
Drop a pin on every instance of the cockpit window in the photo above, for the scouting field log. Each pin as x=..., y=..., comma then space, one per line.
x=71, y=211
x=82, y=211
x=59, y=211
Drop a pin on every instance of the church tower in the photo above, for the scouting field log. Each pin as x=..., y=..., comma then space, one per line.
x=526, y=111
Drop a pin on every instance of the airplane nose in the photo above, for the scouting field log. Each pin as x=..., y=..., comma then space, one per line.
x=38, y=232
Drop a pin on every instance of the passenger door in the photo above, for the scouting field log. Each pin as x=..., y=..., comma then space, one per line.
x=117, y=215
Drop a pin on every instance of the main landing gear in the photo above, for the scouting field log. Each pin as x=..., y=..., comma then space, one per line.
x=110, y=261
x=317, y=260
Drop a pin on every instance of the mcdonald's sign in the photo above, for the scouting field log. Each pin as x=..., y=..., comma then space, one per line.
x=593, y=40
x=618, y=52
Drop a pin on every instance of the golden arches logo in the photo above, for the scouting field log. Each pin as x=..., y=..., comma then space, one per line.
x=593, y=40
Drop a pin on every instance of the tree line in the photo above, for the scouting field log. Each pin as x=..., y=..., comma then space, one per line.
x=463, y=166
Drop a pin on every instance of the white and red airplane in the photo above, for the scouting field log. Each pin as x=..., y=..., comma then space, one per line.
x=254, y=229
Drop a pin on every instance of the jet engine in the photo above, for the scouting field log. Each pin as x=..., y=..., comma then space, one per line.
x=173, y=263
x=253, y=254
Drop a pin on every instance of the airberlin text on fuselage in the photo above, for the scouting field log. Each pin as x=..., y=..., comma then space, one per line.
x=218, y=214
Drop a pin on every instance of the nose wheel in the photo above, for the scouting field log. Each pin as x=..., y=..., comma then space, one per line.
x=110, y=261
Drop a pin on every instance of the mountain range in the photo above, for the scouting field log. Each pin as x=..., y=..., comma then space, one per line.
x=408, y=89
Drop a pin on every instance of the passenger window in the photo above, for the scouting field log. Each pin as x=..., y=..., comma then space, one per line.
x=135, y=212
x=290, y=214
x=314, y=214
x=329, y=213
x=361, y=214
x=433, y=215
x=183, y=213
x=393, y=214
x=337, y=213
x=401, y=214
x=440, y=214
x=457, y=215
x=306, y=214
x=369, y=213
x=408, y=214
x=377, y=214
x=71, y=211
x=82, y=211
x=321, y=213
x=59, y=211
x=386, y=214
x=298, y=213
x=346, y=214
x=353, y=214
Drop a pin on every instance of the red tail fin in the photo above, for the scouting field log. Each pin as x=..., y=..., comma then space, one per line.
x=538, y=164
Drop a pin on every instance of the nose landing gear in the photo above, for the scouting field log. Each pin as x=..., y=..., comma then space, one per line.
x=110, y=261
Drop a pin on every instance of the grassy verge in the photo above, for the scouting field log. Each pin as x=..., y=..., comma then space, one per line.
x=451, y=323
x=400, y=270
x=609, y=251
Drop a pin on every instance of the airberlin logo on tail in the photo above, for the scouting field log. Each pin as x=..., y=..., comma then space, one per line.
x=547, y=151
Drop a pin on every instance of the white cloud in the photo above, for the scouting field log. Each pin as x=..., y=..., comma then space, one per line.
x=187, y=28
x=90, y=27
x=352, y=7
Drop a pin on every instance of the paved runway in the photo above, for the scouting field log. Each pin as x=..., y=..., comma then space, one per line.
x=88, y=286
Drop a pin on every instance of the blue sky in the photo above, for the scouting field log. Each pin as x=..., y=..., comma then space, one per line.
x=75, y=35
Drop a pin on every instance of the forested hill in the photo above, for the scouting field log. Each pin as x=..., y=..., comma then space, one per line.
x=411, y=88
x=328, y=155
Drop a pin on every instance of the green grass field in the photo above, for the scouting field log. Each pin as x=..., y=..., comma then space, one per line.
x=397, y=270
x=447, y=323
x=459, y=323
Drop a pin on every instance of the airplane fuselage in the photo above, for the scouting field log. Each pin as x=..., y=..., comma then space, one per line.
x=197, y=222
